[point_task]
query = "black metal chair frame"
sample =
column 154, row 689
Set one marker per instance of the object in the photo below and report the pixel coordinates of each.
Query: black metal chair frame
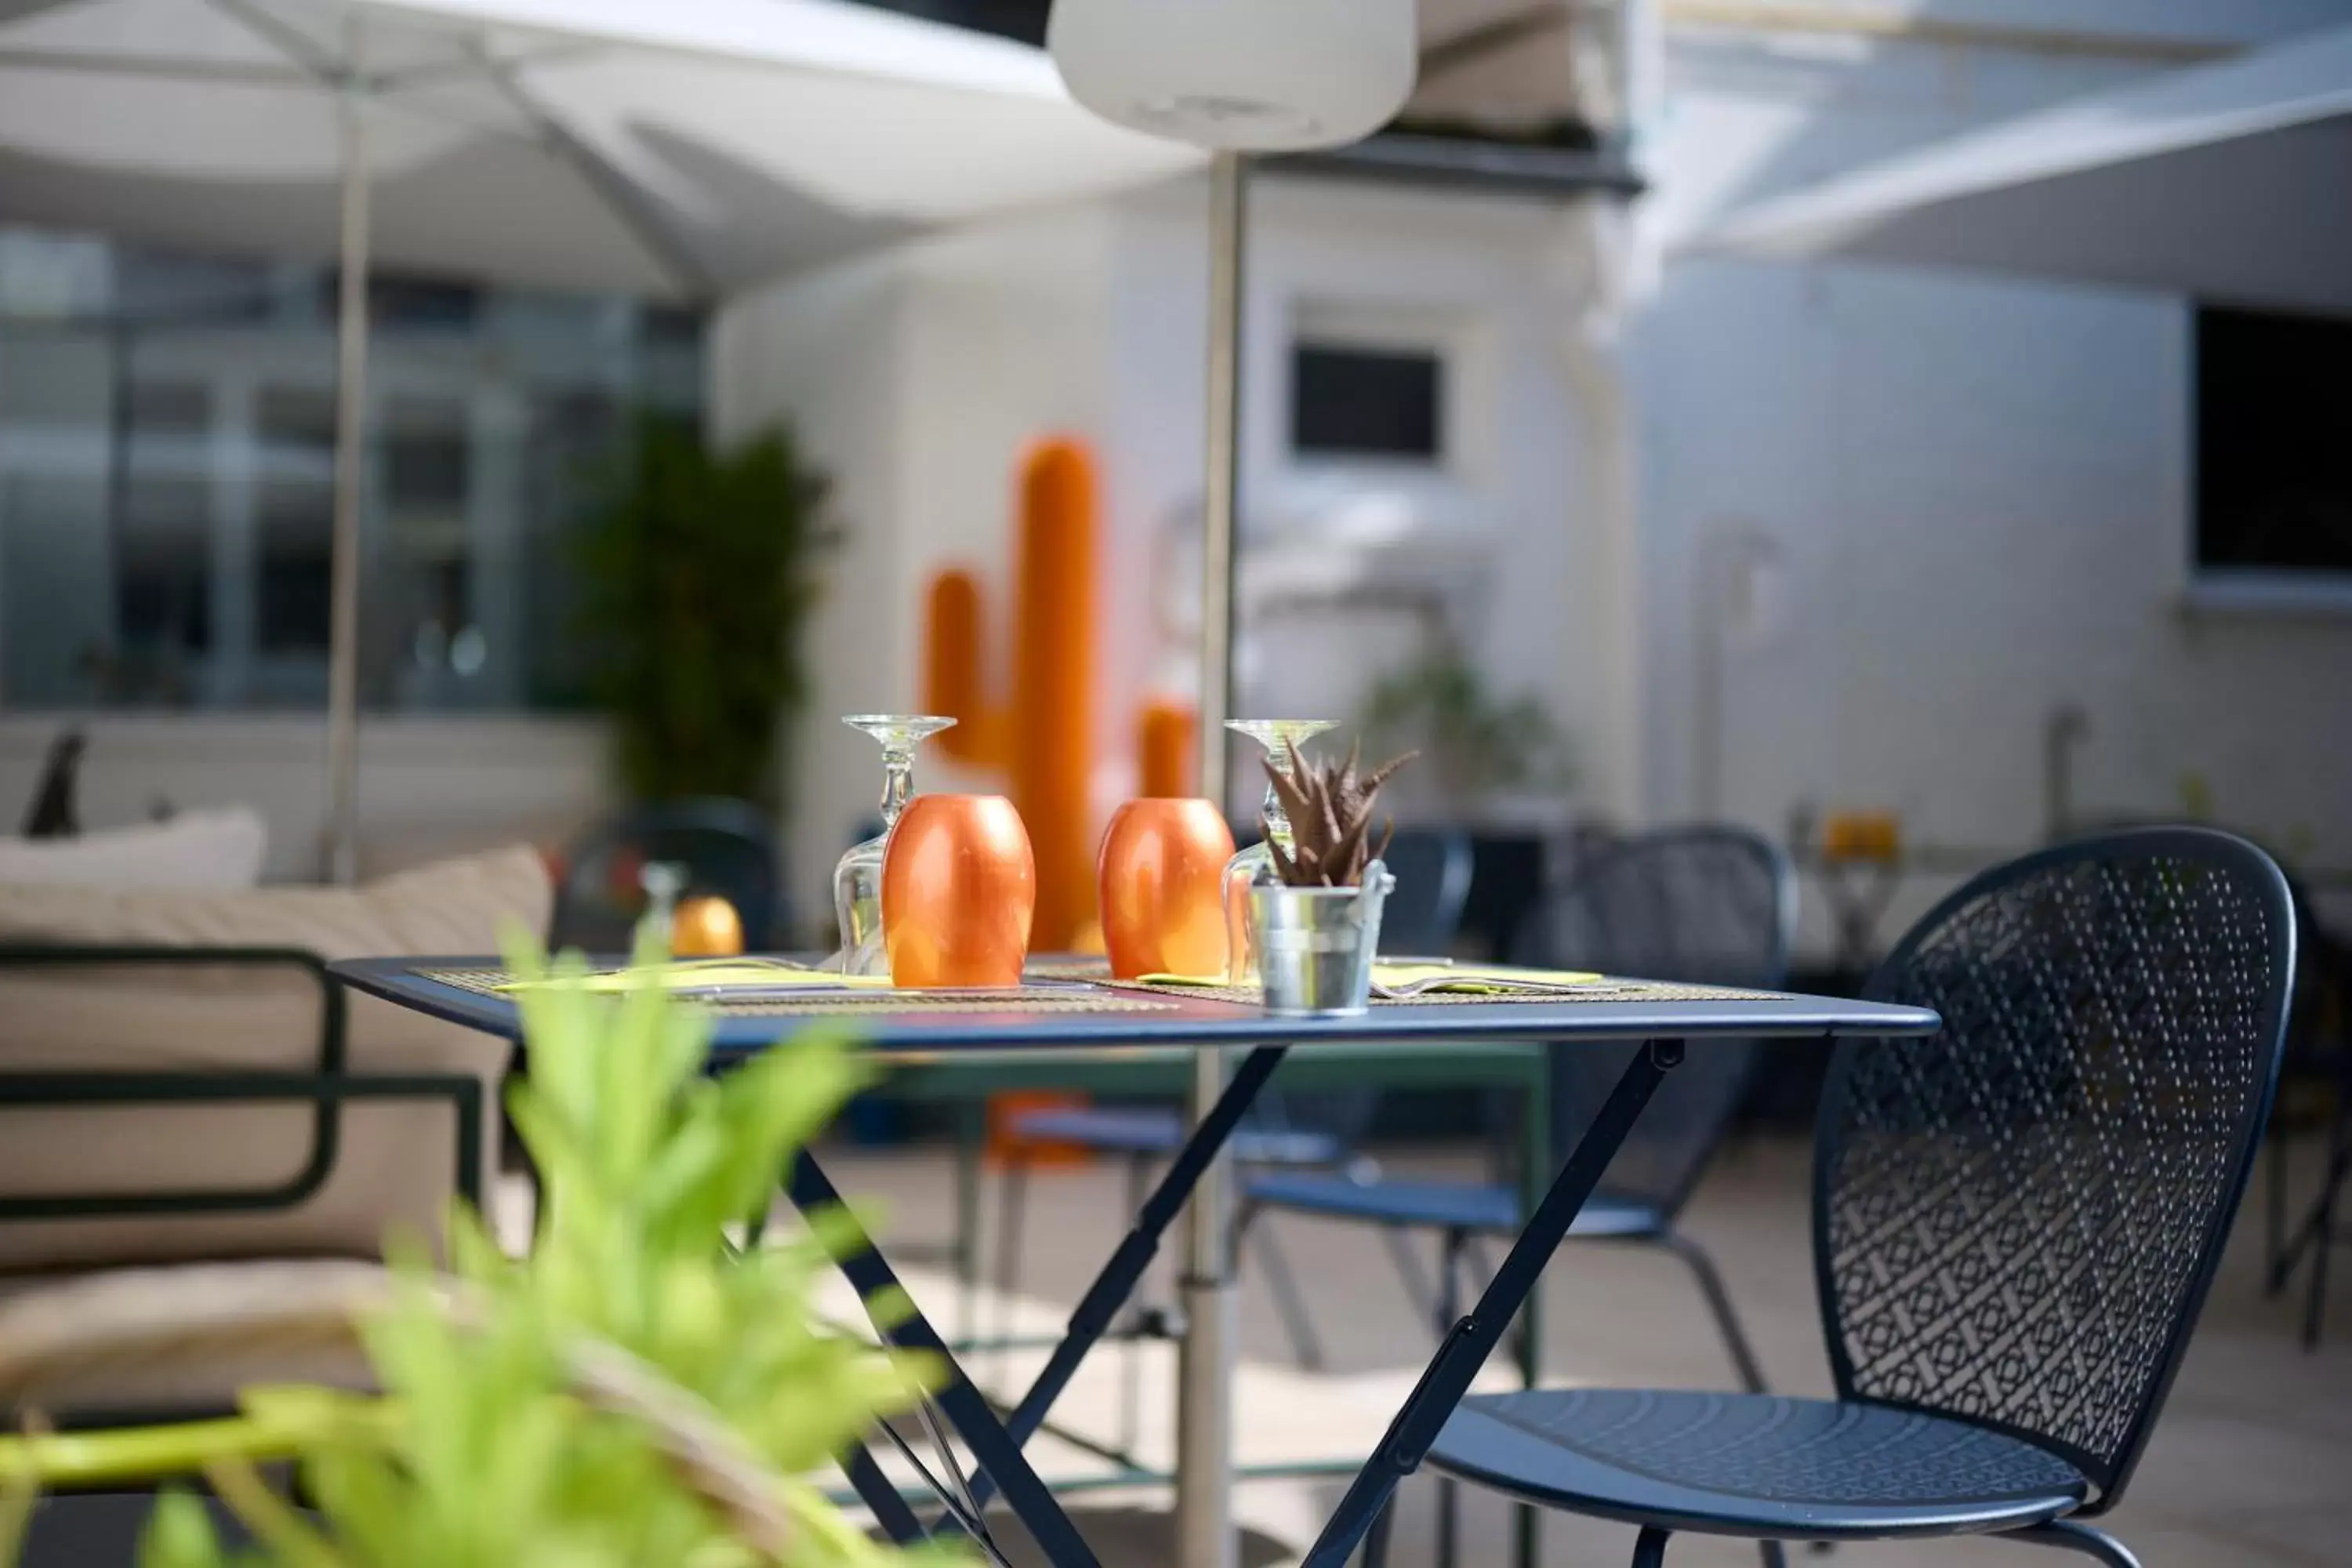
column 2326, row 981
column 328, row 1087
column 1655, row 1224
column 1907, row 1379
column 2322, row 1228
column 765, row 909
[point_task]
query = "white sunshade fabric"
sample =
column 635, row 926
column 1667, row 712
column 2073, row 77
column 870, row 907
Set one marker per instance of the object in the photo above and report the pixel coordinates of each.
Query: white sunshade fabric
column 666, row 147
column 2230, row 182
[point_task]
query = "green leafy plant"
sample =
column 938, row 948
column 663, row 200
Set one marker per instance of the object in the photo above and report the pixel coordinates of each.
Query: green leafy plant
column 1472, row 743
column 698, row 572
column 637, row 1390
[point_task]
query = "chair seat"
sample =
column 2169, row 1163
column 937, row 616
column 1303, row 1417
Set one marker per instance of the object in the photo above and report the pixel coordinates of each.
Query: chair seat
column 1152, row 1130
column 1754, row 1464
column 1442, row 1206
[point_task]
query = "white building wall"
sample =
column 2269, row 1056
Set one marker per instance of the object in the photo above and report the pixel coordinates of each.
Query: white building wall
column 1502, row 283
column 918, row 378
column 827, row 350
column 1007, row 327
column 1976, row 489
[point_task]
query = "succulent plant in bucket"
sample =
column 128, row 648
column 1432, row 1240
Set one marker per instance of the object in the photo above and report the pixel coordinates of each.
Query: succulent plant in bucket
column 1330, row 809
column 1316, row 931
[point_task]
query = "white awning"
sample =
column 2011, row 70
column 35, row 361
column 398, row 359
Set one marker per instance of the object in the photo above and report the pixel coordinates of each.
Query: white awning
column 2227, row 182
column 670, row 147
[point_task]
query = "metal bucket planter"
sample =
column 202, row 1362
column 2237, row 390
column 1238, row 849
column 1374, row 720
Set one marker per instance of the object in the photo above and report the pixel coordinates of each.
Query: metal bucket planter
column 1315, row 945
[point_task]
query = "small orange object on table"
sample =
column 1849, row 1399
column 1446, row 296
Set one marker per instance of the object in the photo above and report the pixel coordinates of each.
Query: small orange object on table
column 1861, row 835
column 705, row 926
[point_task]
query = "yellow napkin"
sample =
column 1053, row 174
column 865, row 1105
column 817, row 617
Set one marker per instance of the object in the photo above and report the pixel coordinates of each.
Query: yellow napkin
column 1447, row 977
column 720, row 974
column 1475, row 978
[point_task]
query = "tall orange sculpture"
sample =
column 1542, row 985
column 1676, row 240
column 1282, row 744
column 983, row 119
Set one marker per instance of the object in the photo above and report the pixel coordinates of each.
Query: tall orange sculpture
column 1163, row 747
column 1040, row 735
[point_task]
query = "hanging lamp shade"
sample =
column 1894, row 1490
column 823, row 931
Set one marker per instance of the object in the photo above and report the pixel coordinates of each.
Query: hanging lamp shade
column 1261, row 76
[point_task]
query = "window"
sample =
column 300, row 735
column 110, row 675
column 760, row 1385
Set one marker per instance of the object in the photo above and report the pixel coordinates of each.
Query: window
column 1357, row 401
column 170, row 407
column 167, row 468
column 2273, row 447
column 295, row 570
column 163, row 580
column 428, row 461
column 297, row 424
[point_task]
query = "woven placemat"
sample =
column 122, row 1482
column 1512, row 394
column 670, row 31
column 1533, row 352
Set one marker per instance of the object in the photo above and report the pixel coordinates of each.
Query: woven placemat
column 1094, row 969
column 1013, row 999
column 1599, row 990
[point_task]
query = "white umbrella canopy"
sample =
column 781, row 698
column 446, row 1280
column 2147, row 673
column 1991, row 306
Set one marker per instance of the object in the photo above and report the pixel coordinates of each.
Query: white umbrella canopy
column 670, row 148
column 2229, row 182
column 674, row 149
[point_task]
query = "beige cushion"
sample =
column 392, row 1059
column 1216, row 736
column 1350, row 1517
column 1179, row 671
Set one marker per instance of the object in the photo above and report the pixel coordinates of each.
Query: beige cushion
column 211, row 851
column 397, row 1161
column 182, row 1341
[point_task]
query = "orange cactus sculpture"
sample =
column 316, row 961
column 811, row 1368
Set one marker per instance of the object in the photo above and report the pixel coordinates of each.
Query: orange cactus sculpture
column 1041, row 736
column 1163, row 745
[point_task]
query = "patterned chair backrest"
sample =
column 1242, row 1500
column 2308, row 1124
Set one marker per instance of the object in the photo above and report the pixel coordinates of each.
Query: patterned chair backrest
column 1712, row 906
column 1432, row 867
column 727, row 847
column 2016, row 1221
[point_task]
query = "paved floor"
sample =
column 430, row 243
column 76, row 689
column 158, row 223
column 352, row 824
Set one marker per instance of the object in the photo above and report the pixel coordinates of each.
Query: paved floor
column 2252, row 1466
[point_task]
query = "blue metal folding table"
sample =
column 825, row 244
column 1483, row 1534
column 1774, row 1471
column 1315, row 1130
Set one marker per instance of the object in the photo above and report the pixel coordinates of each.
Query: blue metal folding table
column 1122, row 1022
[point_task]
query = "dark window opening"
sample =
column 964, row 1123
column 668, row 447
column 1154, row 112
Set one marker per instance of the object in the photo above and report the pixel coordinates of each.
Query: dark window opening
column 427, row 454
column 169, row 409
column 2273, row 442
column 297, row 419
column 293, row 605
column 1367, row 403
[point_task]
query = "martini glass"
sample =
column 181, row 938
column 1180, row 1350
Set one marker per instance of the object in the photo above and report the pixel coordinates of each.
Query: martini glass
column 1255, row 864
column 857, row 878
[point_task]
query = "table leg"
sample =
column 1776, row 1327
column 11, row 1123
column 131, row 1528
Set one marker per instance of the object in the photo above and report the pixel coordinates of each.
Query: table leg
column 971, row 1132
column 1534, row 1160
column 1449, row 1373
column 1204, row 1470
column 874, row 1489
column 993, row 1451
column 1100, row 1305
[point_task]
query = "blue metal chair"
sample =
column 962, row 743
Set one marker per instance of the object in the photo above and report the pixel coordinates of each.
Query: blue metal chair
column 1432, row 867
column 2015, row 1226
column 727, row 847
column 2319, row 1045
column 1705, row 905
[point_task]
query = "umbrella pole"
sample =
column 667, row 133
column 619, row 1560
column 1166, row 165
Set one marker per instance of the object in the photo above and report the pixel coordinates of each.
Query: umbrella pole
column 1205, row 1533
column 1217, row 548
column 351, row 410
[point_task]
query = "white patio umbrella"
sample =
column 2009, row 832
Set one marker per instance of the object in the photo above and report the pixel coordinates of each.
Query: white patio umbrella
column 2230, row 182
column 672, row 148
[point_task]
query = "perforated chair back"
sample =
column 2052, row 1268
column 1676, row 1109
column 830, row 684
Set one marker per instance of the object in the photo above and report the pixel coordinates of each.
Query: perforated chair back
column 2017, row 1221
column 1423, row 915
column 727, row 847
column 1714, row 906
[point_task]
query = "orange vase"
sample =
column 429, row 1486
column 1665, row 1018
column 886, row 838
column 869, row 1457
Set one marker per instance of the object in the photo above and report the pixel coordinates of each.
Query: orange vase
column 959, row 891
column 1162, row 870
